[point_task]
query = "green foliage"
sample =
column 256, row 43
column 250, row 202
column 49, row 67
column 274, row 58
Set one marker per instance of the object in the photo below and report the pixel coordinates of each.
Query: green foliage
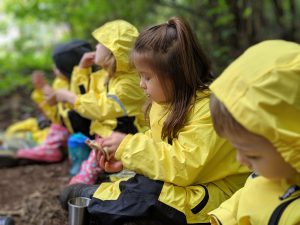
column 16, row 69
column 224, row 27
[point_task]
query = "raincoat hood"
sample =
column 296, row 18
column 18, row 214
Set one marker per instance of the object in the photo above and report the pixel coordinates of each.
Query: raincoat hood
column 261, row 89
column 118, row 36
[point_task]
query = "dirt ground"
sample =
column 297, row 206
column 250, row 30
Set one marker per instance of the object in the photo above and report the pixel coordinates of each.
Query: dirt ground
column 29, row 193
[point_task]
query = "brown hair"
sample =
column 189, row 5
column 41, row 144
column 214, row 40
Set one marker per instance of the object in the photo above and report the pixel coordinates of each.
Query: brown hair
column 222, row 119
column 172, row 51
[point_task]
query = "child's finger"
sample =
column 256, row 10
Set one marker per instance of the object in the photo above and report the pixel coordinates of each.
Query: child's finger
column 112, row 167
column 102, row 162
column 98, row 156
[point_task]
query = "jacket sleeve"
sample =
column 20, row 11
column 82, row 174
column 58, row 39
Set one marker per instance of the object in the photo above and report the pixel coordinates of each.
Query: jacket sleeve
column 80, row 80
column 29, row 124
column 226, row 213
column 122, row 100
column 96, row 106
column 38, row 97
column 198, row 155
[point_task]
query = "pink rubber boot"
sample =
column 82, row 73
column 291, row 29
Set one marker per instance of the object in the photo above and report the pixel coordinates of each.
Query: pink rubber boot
column 89, row 171
column 50, row 150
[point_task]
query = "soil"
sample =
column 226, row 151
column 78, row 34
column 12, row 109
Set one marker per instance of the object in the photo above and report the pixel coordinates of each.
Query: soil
column 29, row 193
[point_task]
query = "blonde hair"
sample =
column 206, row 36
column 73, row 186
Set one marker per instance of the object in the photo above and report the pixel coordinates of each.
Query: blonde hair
column 110, row 65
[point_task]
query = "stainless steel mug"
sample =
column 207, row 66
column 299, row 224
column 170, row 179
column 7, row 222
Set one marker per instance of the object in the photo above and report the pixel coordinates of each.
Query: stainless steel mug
column 78, row 214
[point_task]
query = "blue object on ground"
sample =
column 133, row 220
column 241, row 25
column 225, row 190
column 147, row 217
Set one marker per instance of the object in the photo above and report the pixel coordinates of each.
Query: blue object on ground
column 78, row 151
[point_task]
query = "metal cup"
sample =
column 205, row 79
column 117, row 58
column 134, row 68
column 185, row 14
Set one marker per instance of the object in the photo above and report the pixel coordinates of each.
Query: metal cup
column 78, row 214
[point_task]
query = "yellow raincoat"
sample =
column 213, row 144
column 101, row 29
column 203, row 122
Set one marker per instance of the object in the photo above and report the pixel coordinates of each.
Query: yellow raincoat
column 59, row 112
column 188, row 177
column 29, row 129
column 38, row 97
column 261, row 90
column 108, row 100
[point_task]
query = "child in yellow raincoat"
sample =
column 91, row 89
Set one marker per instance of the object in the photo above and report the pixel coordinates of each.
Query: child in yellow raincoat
column 256, row 106
column 113, row 99
column 65, row 57
column 32, row 131
column 184, row 170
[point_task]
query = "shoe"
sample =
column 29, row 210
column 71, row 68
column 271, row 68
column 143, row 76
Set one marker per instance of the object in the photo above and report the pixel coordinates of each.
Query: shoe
column 76, row 190
column 5, row 220
column 7, row 158
column 40, row 153
column 9, row 147
column 78, row 152
column 50, row 150
column 89, row 171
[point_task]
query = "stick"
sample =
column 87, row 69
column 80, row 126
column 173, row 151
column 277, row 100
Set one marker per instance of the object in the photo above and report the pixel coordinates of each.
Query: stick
column 94, row 145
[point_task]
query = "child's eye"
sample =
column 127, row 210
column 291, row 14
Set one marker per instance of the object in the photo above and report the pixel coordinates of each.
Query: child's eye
column 144, row 76
column 253, row 157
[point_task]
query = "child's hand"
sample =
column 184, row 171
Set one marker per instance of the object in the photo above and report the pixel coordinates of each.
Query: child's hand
column 38, row 79
column 110, row 145
column 63, row 95
column 48, row 90
column 105, row 159
column 113, row 141
column 49, row 95
column 87, row 60
column 111, row 166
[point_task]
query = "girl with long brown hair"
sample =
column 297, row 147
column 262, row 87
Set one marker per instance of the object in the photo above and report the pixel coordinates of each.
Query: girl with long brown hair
column 183, row 169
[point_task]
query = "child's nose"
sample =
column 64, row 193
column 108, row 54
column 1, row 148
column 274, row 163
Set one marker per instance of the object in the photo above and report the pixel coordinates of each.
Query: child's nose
column 142, row 84
column 243, row 160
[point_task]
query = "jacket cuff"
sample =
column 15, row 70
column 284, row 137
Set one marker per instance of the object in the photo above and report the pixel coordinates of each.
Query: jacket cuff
column 214, row 220
column 37, row 96
column 77, row 103
column 121, row 148
column 221, row 216
column 77, row 69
